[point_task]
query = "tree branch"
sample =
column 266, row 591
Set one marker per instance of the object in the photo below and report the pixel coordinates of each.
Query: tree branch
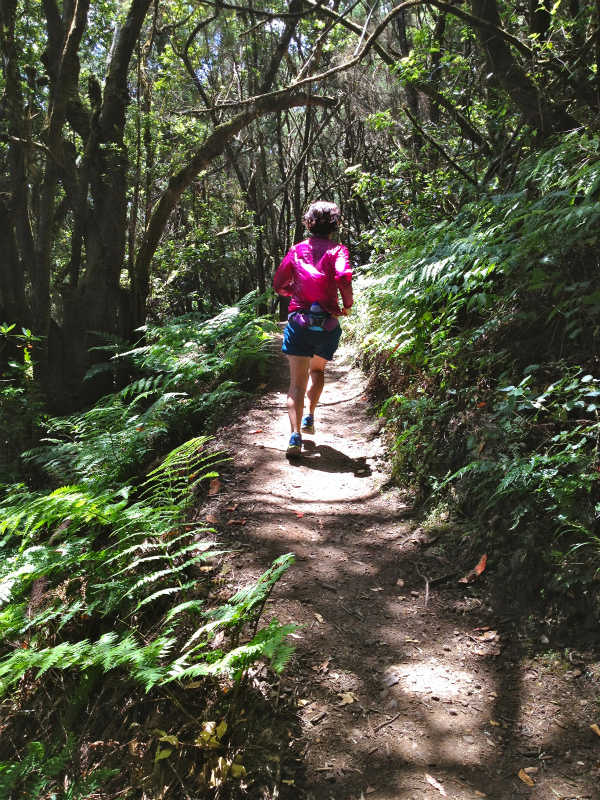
column 213, row 146
column 303, row 155
column 478, row 22
column 468, row 130
column 50, row 58
column 439, row 148
column 472, row 20
column 370, row 43
column 184, row 55
column 297, row 15
column 112, row 116
column 281, row 48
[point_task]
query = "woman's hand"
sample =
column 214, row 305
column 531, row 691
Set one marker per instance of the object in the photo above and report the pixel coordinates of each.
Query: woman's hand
column 346, row 312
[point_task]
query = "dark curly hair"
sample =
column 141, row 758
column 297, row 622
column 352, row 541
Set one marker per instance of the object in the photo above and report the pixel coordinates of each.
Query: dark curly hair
column 322, row 218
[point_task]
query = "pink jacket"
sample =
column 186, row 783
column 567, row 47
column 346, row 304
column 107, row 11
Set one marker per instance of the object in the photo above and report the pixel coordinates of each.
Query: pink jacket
column 312, row 272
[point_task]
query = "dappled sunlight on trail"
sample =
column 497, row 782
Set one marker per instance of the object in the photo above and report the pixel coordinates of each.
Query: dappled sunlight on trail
column 396, row 697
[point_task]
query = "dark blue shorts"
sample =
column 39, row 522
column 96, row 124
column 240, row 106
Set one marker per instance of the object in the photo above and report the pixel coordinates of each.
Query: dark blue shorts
column 299, row 341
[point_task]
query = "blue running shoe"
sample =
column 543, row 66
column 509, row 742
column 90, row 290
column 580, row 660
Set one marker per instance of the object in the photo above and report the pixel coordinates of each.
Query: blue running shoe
column 295, row 445
column 308, row 424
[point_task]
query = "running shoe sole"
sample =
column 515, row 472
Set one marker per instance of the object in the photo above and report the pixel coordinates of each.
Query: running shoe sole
column 307, row 428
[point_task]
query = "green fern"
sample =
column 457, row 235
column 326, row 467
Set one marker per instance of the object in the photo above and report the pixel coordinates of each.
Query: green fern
column 151, row 557
column 109, row 551
column 448, row 311
column 38, row 770
column 35, row 772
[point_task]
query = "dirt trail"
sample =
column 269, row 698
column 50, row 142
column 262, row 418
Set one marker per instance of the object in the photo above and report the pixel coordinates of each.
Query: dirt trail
column 397, row 695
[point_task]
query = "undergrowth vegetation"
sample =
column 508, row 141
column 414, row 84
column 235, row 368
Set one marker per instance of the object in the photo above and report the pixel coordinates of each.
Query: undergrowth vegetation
column 481, row 334
column 107, row 571
column 186, row 375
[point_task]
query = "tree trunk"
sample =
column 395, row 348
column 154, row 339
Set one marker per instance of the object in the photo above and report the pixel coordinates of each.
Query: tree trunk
column 542, row 115
column 299, row 224
column 96, row 303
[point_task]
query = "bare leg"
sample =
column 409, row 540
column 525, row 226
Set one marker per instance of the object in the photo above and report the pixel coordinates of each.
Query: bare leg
column 299, row 369
column 317, row 381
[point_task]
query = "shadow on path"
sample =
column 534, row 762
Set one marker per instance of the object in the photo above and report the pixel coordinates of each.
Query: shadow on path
column 393, row 697
column 328, row 459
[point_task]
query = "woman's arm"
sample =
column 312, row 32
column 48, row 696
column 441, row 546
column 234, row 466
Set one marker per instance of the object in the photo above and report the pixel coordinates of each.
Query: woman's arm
column 283, row 282
column 343, row 276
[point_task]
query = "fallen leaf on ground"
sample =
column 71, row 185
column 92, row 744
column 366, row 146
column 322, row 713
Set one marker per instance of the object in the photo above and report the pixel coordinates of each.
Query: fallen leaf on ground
column 525, row 778
column 347, row 698
column 319, row 618
column 377, row 589
column 261, row 386
column 299, row 514
column 488, row 636
column 215, row 485
column 481, row 566
column 212, row 519
column 436, row 784
column 399, row 582
column 475, row 572
column 493, row 722
column 288, row 783
column 371, row 789
column 480, row 794
column 237, row 522
column 259, row 430
column 303, row 702
column 232, row 508
column 531, row 770
column 412, row 641
column 595, row 728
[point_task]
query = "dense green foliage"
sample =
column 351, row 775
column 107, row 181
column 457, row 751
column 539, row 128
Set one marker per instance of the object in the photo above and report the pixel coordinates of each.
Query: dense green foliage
column 155, row 161
column 110, row 572
column 487, row 335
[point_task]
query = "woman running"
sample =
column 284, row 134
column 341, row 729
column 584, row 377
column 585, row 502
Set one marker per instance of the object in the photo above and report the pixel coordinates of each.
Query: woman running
column 311, row 274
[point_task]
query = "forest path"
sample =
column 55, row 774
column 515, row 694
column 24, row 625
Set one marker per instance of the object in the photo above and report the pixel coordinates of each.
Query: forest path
column 396, row 695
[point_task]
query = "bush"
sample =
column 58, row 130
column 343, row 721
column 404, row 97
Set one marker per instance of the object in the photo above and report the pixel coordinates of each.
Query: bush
column 486, row 327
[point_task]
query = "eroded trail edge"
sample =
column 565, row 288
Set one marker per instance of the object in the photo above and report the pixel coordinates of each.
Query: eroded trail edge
column 405, row 683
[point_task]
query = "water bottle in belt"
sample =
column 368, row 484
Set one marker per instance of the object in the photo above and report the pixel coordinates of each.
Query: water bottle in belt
column 317, row 316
